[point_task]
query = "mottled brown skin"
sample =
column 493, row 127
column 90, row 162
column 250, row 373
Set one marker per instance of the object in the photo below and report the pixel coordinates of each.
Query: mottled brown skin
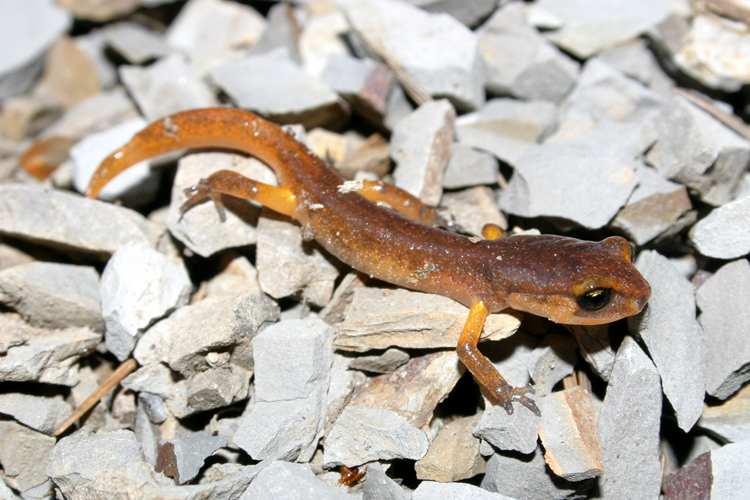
column 543, row 275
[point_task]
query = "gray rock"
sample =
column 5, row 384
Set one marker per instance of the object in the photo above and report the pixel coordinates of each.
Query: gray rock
column 39, row 355
column 454, row 453
column 590, row 28
column 528, row 479
column 281, row 31
column 182, row 458
column 292, row 373
column 725, row 322
column 469, row 167
column 378, row 486
column 729, row 466
column 363, row 434
column 287, row 264
column 52, row 295
column 730, row 421
column 507, row 127
column 65, row 221
column 27, row 30
column 154, row 407
column 636, row 60
column 137, row 184
column 435, row 50
column 724, row 233
column 384, row 363
column 430, row 490
column 11, row 256
column 696, row 150
column 288, row 481
column 674, row 338
column 322, row 37
column 655, row 206
column 551, row 179
column 166, row 87
column 629, row 423
column 551, row 361
column 517, row 432
column 7, row 494
column 593, row 341
column 239, row 276
column 94, row 46
column 217, row 387
column 43, row 414
column 147, row 434
column 569, row 435
column 94, row 114
column 469, row 13
column 24, row 454
column 520, row 62
column 473, row 208
column 274, row 86
column 136, row 43
column 421, row 146
column 138, row 287
column 212, row 31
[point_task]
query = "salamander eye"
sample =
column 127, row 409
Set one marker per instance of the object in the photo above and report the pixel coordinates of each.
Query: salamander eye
column 593, row 300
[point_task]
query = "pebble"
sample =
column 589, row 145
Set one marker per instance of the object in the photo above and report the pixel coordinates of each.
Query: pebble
column 421, row 147
column 517, row 432
column 430, row 490
column 293, row 361
column 507, row 127
column 166, row 87
column 436, row 51
column 588, row 29
column 469, row 167
column 43, row 414
column 453, row 455
column 363, row 434
column 51, row 295
column 674, row 339
column 136, row 43
column 725, row 320
column 138, row 287
column 379, row 318
column 473, row 208
column 534, row 70
column 569, row 435
column 182, row 458
column 274, row 86
column 288, row 481
column 24, row 454
column 725, row 232
column 629, row 424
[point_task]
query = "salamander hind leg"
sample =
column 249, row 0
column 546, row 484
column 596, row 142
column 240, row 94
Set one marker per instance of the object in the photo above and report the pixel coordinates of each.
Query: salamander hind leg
column 483, row 370
column 235, row 184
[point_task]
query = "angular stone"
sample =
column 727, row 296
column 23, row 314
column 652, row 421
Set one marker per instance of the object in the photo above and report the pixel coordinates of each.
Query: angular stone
column 274, row 86
column 94, row 114
column 93, row 10
column 287, row 264
column 147, row 434
column 469, row 13
column 429, row 490
column 421, row 146
column 293, row 481
column 435, row 50
column 517, row 432
column 729, row 420
column 322, row 37
column 6, row 493
column 281, row 31
column 52, row 295
column 292, row 374
column 473, row 208
column 534, row 69
column 726, row 321
column 629, row 424
column 528, row 479
column 237, row 277
column 469, row 167
column 724, row 233
column 379, row 318
column 136, row 43
column 569, row 435
column 636, row 60
column 217, row 387
column 93, row 45
column 692, row 481
column 385, row 363
column 11, row 256
column 378, row 486
column 39, row 355
column 43, row 414
column 363, row 434
column 674, row 338
column 138, row 287
column 551, row 361
column 588, row 29
column 27, row 115
column 593, row 341
column 507, row 127
column 453, row 455
column 24, row 454
column 65, row 221
column 182, row 458
column 729, row 466
column 166, row 87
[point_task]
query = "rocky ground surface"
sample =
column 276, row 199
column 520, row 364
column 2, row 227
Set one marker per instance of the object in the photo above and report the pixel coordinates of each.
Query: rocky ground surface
column 263, row 366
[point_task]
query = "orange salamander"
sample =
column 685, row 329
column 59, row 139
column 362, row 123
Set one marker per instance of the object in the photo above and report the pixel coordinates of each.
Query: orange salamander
column 566, row 280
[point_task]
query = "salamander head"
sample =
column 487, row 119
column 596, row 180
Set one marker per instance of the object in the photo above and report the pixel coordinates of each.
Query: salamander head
column 577, row 282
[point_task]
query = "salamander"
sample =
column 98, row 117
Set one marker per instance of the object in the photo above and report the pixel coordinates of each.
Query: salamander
column 566, row 280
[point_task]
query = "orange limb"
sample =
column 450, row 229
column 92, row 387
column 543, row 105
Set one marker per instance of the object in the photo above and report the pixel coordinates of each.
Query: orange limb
column 481, row 367
column 403, row 203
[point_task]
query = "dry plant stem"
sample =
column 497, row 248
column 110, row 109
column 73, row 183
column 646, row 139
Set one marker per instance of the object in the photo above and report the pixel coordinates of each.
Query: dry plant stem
column 729, row 9
column 122, row 371
column 728, row 119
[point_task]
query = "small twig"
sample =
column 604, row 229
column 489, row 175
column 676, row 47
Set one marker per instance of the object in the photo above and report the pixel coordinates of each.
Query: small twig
column 120, row 373
column 728, row 119
column 729, row 9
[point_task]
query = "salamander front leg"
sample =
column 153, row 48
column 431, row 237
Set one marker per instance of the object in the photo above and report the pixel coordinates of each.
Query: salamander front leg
column 235, row 184
column 483, row 370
